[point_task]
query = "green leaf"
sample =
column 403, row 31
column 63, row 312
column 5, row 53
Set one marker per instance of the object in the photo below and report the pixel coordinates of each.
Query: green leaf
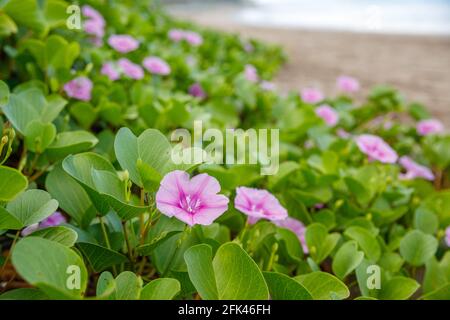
column 147, row 249
column 200, row 268
column 12, row 182
column 347, row 259
column 39, row 135
column 366, row 241
column 237, row 275
column 24, row 294
column 426, row 221
column 417, row 247
column 31, row 207
column 106, row 285
column 128, row 286
column 7, row 27
column 46, row 265
column 60, row 234
column 281, row 287
column 319, row 242
column 161, row 289
column 26, row 13
column 4, row 94
column 71, row 142
column 76, row 202
column 398, row 288
column 324, row 286
column 100, row 257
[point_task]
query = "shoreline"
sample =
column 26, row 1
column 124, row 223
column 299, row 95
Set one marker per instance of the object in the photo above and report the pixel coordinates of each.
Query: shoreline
column 417, row 65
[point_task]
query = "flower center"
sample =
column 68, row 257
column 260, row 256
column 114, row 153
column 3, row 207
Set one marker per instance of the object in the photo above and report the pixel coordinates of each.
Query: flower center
column 190, row 204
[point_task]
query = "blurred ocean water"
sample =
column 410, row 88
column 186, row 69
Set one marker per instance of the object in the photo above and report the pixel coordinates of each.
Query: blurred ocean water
column 378, row 16
column 383, row 16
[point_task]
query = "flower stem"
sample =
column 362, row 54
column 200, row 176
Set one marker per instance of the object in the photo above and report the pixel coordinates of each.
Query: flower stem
column 10, row 251
column 127, row 241
column 105, row 235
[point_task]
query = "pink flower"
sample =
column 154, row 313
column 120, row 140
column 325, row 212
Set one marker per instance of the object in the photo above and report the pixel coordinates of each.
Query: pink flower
column 156, row 65
column 248, row 47
column 79, row 88
column 109, row 70
column 311, row 95
column 193, row 201
column 197, row 91
column 176, row 35
column 55, row 219
column 251, row 74
column 328, row 114
column 259, row 204
column 95, row 25
column 193, row 38
column 429, row 126
column 447, row 236
column 123, row 43
column 295, row 226
column 347, row 84
column 267, row 85
column 376, row 148
column 343, row 134
column 130, row 69
column 414, row 170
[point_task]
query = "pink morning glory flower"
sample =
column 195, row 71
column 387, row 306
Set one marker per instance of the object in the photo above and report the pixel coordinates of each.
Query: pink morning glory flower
column 343, row 134
column 328, row 114
column 176, row 35
column 414, row 170
column 311, row 95
column 110, row 70
column 376, row 148
column 130, row 69
column 123, row 43
column 347, row 84
column 156, row 65
column 295, row 226
column 447, row 236
column 259, row 203
column 197, row 91
column 55, row 219
column 95, row 25
column 193, row 201
column 193, row 38
column 429, row 126
column 79, row 88
column 250, row 73
column 267, row 85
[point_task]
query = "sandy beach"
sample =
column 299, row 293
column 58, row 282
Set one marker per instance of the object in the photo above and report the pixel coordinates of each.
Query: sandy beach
column 419, row 66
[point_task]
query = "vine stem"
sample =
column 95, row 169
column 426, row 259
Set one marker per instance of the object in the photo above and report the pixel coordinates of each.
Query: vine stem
column 16, row 237
column 105, row 235
column 127, row 241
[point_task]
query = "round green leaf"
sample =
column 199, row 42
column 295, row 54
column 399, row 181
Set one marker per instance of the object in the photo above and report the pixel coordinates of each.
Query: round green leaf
column 330, row 288
column 347, row 259
column 281, row 287
column 12, row 182
column 161, row 289
column 417, row 247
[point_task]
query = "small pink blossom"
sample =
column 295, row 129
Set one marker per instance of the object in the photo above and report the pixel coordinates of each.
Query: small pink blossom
column 328, row 114
column 193, row 38
column 259, row 204
column 53, row 220
column 376, row 148
column 193, row 201
column 311, row 95
column 250, row 73
column 79, row 88
column 156, row 65
column 429, row 126
column 267, row 85
column 447, row 236
column 176, row 35
column 197, row 91
column 295, row 226
column 123, row 43
column 343, row 134
column 110, row 70
column 347, row 84
column 95, row 24
column 130, row 69
column 414, row 170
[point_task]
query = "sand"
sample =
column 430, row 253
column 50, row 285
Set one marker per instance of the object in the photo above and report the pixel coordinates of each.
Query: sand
column 419, row 66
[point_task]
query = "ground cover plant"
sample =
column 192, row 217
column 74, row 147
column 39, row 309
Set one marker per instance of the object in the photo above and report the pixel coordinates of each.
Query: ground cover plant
column 93, row 206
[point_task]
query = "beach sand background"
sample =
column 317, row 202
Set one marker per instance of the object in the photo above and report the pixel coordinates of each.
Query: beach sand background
column 417, row 65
